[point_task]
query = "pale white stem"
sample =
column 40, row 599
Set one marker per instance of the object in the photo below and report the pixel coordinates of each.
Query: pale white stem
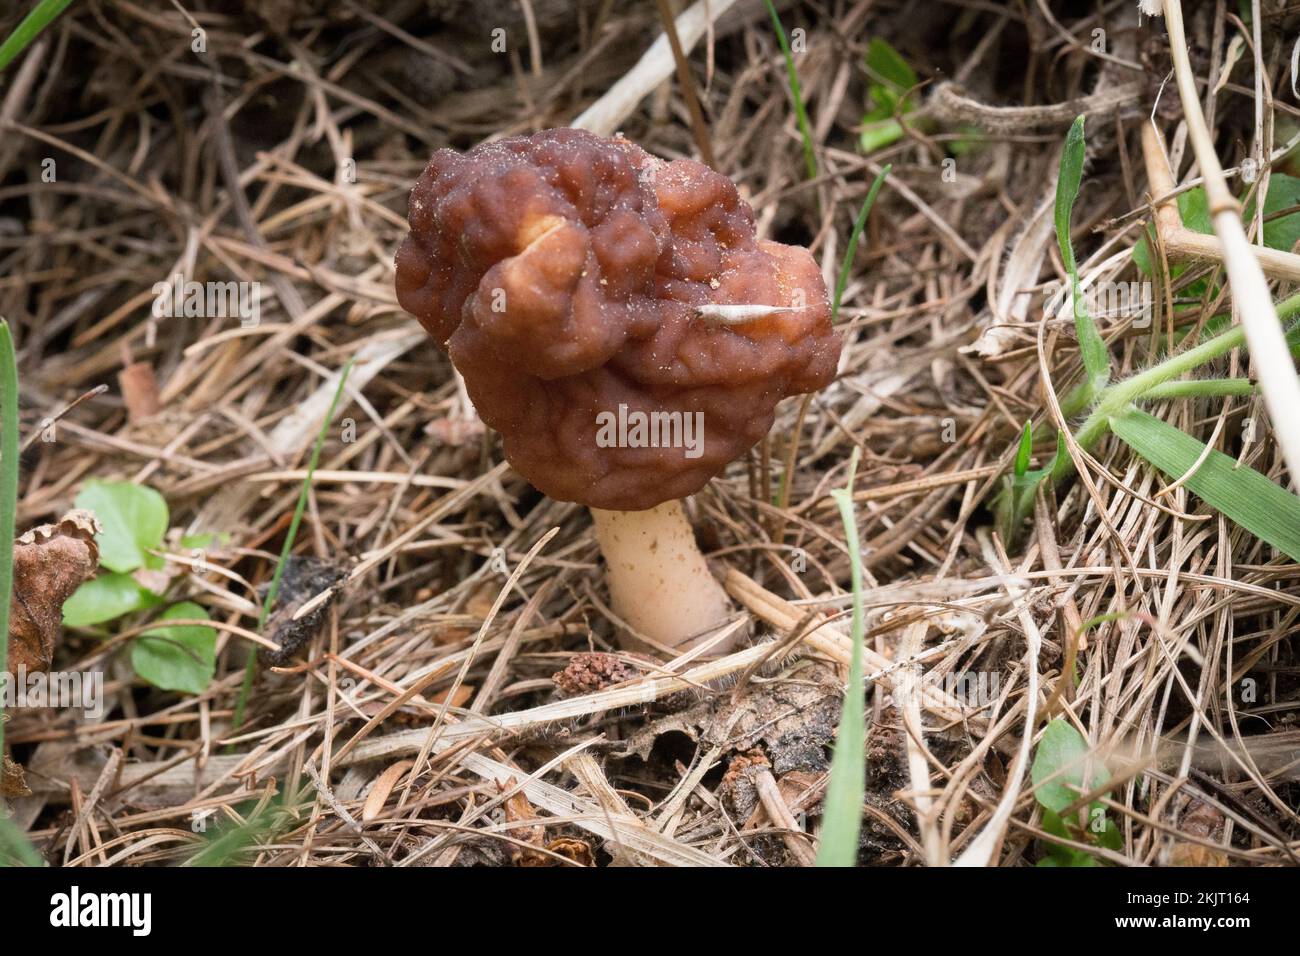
column 659, row 582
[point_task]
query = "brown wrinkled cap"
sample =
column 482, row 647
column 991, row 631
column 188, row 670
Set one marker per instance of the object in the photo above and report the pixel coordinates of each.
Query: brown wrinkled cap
column 562, row 271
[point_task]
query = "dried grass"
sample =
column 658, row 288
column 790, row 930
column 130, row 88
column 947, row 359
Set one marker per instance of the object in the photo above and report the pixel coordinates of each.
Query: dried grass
column 225, row 165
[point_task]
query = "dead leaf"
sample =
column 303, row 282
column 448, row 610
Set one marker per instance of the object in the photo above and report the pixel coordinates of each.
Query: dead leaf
column 303, row 578
column 519, row 808
column 382, row 787
column 579, row 851
column 139, row 391
column 50, row 562
column 13, row 783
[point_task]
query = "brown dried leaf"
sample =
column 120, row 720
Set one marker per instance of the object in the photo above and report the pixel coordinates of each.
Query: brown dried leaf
column 13, row 783
column 50, row 562
column 579, row 851
column 519, row 808
column 302, row 580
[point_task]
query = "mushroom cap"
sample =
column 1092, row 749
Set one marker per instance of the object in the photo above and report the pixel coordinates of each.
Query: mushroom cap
column 563, row 272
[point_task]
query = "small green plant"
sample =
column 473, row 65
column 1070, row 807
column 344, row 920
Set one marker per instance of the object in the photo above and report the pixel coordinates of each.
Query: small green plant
column 233, row 840
column 1016, row 499
column 134, row 521
column 890, row 81
column 859, row 224
column 1096, row 357
column 796, row 93
column 1263, row 508
column 250, row 665
column 1281, row 228
column 842, row 816
column 1063, row 771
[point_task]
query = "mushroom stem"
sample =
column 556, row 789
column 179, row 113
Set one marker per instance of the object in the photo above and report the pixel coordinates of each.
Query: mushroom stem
column 659, row 582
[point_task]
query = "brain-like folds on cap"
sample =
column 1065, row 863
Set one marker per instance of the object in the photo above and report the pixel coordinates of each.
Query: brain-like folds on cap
column 564, row 272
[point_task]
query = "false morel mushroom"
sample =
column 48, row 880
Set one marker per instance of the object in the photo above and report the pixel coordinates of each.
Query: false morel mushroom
column 616, row 319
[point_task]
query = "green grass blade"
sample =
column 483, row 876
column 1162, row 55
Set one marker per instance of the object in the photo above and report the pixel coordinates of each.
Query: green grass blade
column 8, row 485
column 796, row 92
column 1096, row 357
column 8, row 490
column 250, row 667
column 1263, row 508
column 842, row 814
column 14, row 845
column 858, row 225
column 15, row 848
column 26, row 31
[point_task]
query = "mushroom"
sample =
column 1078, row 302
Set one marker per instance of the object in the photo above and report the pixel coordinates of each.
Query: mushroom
column 616, row 320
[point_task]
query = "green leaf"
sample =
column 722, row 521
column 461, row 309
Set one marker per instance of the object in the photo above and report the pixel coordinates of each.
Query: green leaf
column 1194, row 209
column 1016, row 498
column 1283, row 193
column 888, row 67
column 879, row 134
column 1067, row 190
column 971, row 140
column 891, row 78
column 1096, row 357
column 1058, row 767
column 31, row 26
column 1263, row 508
column 1025, row 450
column 858, row 225
column 846, row 788
column 181, row 657
column 134, row 518
column 796, row 94
column 105, row 597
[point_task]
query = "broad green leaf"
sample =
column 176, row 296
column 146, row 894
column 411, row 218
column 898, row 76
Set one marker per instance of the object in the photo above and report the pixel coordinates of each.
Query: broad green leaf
column 134, row 518
column 1059, row 764
column 1194, row 209
column 1282, row 232
column 1058, row 854
column 180, row 657
column 104, row 598
column 887, row 66
column 846, row 788
column 1096, row 357
column 1283, row 193
column 1263, row 508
